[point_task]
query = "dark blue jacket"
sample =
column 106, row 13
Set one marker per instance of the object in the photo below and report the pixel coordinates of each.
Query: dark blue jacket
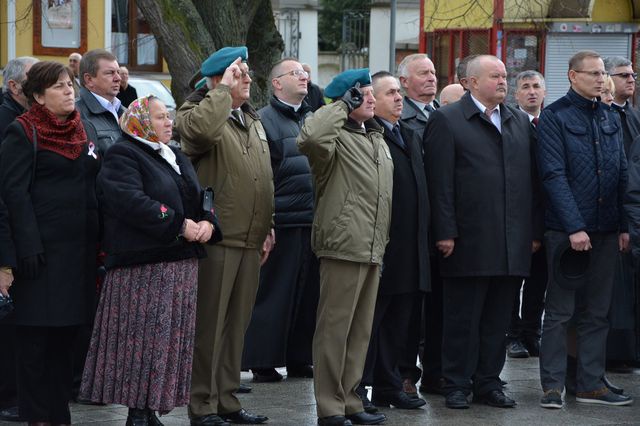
column 582, row 165
column 293, row 187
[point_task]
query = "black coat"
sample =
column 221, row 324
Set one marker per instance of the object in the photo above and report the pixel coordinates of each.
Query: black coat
column 630, row 120
column 315, row 97
column 9, row 110
column 481, row 189
column 157, row 201
column 127, row 95
column 292, row 181
column 7, row 251
column 56, row 215
column 406, row 258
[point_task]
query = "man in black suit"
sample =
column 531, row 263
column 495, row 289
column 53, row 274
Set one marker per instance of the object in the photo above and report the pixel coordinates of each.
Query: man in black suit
column 523, row 336
column 480, row 174
column 406, row 260
column 418, row 79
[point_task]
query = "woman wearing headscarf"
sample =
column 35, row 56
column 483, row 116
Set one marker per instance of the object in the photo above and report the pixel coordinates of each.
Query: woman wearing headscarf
column 48, row 168
column 154, row 219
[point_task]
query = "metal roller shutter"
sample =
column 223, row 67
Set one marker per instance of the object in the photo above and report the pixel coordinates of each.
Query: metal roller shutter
column 560, row 47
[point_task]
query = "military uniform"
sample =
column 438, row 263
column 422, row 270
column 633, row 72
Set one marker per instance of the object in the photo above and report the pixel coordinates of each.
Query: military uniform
column 233, row 158
column 353, row 176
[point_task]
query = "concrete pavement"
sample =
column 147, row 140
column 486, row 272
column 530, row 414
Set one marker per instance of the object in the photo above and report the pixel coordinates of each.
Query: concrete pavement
column 291, row 402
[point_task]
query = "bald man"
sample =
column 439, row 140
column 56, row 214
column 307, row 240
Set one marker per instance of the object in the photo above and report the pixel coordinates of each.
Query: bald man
column 451, row 93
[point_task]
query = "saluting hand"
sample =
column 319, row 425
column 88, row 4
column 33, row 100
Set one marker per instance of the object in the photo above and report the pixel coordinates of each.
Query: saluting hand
column 233, row 74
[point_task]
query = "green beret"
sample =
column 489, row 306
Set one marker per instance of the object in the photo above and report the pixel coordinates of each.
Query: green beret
column 346, row 80
column 220, row 60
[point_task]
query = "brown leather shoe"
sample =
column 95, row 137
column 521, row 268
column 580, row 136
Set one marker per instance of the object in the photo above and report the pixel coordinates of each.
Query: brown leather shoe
column 409, row 387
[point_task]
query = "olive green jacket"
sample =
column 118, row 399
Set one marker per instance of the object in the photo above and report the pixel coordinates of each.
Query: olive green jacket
column 353, row 175
column 234, row 160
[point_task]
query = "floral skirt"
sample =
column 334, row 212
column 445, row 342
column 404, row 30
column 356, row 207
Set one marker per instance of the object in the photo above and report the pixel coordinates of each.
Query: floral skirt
column 141, row 347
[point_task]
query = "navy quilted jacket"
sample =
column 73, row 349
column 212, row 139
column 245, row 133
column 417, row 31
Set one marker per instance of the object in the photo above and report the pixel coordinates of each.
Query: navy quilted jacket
column 582, row 165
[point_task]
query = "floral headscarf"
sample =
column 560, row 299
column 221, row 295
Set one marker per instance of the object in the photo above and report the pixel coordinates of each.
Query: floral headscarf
column 136, row 120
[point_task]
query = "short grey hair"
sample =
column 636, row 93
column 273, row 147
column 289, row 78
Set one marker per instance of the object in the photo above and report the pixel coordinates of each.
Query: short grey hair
column 14, row 70
column 402, row 67
column 612, row 62
column 529, row 74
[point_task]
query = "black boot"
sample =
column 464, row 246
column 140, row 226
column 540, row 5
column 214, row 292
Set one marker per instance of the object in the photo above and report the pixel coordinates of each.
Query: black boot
column 137, row 417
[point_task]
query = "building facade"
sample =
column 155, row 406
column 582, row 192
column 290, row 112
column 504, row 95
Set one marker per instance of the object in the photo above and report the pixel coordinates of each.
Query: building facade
column 540, row 35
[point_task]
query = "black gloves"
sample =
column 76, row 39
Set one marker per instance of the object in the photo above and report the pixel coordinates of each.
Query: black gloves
column 29, row 267
column 353, row 98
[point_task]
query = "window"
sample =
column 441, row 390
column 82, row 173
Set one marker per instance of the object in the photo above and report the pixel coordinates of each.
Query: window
column 131, row 39
column 446, row 48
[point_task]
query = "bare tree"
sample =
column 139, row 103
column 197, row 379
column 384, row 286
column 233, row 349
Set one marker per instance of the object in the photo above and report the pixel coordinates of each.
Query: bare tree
column 188, row 31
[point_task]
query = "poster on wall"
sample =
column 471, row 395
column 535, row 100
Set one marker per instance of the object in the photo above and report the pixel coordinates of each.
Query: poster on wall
column 60, row 26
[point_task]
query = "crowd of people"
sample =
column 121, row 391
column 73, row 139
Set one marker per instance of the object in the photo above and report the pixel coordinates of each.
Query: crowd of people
column 344, row 242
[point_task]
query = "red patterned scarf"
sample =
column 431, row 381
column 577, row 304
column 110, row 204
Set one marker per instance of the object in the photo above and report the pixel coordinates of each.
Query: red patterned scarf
column 66, row 138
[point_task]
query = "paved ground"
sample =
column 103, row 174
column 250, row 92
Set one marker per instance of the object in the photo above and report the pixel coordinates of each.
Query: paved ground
column 291, row 402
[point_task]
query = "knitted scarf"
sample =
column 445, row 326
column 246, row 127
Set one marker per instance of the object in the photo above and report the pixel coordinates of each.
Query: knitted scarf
column 66, row 138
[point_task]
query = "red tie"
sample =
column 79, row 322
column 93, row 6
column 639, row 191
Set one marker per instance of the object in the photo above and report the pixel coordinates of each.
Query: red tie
column 535, row 121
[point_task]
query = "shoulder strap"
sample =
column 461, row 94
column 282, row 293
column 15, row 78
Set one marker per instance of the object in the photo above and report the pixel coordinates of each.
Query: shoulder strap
column 35, row 154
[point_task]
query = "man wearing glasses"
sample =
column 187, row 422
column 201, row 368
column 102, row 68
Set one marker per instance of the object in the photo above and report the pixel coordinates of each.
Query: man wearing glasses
column 222, row 134
column 281, row 329
column 624, row 79
column 584, row 172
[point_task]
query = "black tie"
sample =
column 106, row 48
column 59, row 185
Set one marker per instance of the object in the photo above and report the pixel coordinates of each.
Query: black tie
column 398, row 136
column 428, row 109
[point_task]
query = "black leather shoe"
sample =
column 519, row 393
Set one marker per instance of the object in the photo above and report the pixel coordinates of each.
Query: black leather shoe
column 515, row 349
column 137, row 417
column 497, row 398
column 152, row 419
column 434, row 387
column 613, row 388
column 368, row 406
column 244, row 388
column 243, row 417
column 11, row 415
column 266, row 375
column 456, row 400
column 209, row 420
column 334, row 421
column 301, row 371
column 398, row 399
column 532, row 344
column 364, row 418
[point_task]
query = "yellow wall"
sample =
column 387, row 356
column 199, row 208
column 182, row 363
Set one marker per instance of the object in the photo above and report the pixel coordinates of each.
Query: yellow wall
column 454, row 14
column 24, row 29
column 458, row 14
column 612, row 11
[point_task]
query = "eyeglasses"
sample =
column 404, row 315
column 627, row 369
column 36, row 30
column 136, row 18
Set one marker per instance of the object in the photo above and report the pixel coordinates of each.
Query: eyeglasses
column 594, row 74
column 249, row 73
column 625, row 75
column 295, row 73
